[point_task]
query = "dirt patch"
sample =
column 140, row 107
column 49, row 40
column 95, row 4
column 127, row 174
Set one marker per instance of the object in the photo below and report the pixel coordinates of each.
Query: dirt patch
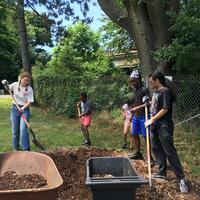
column 13, row 181
column 71, row 163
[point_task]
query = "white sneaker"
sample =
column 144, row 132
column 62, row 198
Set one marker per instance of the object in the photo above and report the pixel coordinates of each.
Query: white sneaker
column 183, row 186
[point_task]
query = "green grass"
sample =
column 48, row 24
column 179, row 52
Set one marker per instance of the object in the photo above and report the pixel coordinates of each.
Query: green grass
column 106, row 132
column 187, row 140
column 57, row 131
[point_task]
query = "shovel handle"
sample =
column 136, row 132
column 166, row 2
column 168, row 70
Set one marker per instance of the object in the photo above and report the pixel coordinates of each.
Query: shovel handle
column 17, row 105
column 148, row 146
column 25, row 120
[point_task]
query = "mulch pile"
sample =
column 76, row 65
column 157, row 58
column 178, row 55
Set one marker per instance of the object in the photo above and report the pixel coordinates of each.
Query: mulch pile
column 71, row 163
column 13, row 181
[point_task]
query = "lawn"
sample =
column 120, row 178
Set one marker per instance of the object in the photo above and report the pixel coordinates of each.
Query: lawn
column 58, row 131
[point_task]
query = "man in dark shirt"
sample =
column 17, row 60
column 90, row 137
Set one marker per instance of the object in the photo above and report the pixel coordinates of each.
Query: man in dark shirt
column 138, row 118
column 162, row 129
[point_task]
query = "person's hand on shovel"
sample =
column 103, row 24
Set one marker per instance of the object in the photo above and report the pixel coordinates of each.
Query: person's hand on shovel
column 22, row 109
column 5, row 84
column 149, row 122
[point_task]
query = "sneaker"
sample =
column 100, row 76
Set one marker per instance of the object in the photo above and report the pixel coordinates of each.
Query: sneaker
column 183, row 186
column 124, row 146
column 159, row 175
column 84, row 141
column 88, row 142
column 137, row 156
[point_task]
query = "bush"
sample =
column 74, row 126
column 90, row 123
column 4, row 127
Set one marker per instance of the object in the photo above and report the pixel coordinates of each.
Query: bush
column 60, row 92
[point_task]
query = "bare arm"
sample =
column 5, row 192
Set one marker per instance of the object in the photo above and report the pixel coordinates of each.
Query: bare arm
column 137, row 107
column 160, row 114
column 156, row 117
column 26, row 105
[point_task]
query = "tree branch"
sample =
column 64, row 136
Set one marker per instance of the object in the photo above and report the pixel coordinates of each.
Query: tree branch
column 114, row 12
column 37, row 13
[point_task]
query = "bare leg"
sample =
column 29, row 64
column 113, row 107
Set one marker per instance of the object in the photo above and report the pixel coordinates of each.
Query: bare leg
column 87, row 135
column 131, row 137
column 131, row 141
column 83, row 131
column 137, row 155
column 126, row 127
column 152, row 160
column 125, row 138
column 136, row 139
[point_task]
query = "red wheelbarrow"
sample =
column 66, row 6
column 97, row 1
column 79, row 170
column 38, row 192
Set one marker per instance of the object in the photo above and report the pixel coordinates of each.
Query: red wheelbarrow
column 24, row 162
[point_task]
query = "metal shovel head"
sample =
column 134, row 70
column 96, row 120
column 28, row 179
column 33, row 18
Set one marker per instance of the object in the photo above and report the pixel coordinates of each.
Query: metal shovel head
column 35, row 141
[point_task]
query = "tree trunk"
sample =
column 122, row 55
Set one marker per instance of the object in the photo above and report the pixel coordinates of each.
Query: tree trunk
column 148, row 25
column 23, row 36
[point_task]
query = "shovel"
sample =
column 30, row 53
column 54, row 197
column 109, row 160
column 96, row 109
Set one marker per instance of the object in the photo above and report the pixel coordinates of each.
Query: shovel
column 24, row 118
column 145, row 100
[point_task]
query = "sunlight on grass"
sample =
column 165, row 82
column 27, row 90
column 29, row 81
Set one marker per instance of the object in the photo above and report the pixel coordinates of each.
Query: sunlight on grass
column 5, row 125
column 57, row 131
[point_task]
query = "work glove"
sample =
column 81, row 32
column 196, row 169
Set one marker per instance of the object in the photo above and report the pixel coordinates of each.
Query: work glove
column 5, row 83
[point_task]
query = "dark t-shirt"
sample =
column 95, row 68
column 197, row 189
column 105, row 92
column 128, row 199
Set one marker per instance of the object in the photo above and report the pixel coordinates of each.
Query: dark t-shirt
column 162, row 99
column 139, row 93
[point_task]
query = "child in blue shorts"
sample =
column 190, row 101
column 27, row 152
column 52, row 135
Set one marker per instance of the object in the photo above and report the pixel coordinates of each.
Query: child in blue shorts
column 138, row 119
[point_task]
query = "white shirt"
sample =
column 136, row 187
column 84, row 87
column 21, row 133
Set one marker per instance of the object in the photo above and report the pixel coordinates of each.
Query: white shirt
column 22, row 96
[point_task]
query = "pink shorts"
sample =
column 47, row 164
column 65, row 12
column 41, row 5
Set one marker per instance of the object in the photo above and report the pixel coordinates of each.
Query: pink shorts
column 86, row 120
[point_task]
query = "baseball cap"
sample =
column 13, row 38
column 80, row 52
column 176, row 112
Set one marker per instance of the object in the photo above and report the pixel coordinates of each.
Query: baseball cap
column 135, row 74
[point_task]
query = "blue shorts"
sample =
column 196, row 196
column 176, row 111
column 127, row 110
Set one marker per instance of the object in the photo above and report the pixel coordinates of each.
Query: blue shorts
column 138, row 127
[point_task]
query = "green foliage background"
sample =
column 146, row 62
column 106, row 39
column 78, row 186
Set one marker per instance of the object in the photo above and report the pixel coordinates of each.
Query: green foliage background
column 9, row 45
column 79, row 64
column 185, row 48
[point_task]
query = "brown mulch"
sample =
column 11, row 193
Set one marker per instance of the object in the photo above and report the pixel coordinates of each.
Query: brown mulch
column 71, row 163
column 13, row 181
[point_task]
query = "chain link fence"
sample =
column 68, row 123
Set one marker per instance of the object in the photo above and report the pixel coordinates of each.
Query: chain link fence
column 187, row 105
column 187, row 117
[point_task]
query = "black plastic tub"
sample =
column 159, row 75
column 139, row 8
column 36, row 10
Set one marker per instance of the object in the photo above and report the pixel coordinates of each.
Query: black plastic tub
column 112, row 178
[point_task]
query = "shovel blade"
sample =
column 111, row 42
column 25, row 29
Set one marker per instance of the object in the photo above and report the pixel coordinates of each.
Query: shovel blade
column 35, row 141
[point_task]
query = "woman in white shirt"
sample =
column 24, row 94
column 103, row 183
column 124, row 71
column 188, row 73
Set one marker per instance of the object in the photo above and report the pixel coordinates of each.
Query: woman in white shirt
column 23, row 94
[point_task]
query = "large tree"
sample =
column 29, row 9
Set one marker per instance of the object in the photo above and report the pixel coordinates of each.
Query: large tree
column 147, row 22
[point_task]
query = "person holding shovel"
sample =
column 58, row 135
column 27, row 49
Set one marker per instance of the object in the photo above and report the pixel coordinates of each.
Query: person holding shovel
column 23, row 94
column 162, row 128
column 85, row 115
